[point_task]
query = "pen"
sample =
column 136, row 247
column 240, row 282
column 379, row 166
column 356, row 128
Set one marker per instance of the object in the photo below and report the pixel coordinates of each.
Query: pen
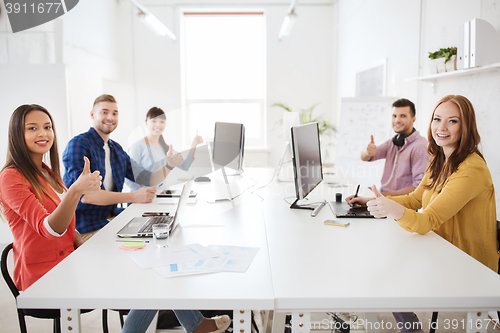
column 357, row 190
column 132, row 241
column 155, row 187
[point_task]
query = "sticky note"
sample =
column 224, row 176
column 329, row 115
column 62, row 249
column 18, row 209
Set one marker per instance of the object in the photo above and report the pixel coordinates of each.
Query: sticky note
column 134, row 244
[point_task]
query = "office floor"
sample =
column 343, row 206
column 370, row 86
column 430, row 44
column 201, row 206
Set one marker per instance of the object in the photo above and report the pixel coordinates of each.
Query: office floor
column 91, row 322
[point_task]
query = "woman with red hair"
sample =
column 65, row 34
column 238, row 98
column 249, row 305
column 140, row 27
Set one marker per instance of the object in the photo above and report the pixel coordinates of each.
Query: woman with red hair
column 456, row 195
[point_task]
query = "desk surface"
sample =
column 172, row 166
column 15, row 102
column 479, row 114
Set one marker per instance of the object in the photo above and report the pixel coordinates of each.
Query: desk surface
column 99, row 275
column 372, row 265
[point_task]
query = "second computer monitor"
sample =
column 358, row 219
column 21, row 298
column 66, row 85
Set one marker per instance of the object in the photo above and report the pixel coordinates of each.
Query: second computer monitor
column 306, row 159
column 229, row 145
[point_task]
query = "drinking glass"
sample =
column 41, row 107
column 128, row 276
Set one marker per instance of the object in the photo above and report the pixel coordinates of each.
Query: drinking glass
column 161, row 232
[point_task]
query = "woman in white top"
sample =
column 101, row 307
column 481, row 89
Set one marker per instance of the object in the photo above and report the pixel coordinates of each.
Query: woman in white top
column 151, row 151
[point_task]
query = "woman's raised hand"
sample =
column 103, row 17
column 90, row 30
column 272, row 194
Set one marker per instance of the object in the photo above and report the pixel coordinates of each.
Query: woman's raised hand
column 174, row 158
column 198, row 140
column 88, row 182
column 381, row 206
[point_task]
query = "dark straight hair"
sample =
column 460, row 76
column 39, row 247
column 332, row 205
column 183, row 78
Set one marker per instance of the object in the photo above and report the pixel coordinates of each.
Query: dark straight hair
column 18, row 154
column 402, row 102
column 155, row 112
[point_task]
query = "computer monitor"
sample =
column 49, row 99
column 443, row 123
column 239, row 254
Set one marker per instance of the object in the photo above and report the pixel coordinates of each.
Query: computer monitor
column 306, row 161
column 229, row 146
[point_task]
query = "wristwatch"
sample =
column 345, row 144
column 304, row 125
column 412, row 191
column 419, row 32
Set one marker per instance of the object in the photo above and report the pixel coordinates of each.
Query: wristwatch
column 168, row 166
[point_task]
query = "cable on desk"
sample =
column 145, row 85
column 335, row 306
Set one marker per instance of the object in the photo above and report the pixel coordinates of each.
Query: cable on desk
column 266, row 185
column 249, row 187
column 307, row 204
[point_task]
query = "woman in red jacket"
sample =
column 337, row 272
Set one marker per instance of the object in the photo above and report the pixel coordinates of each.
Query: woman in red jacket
column 40, row 210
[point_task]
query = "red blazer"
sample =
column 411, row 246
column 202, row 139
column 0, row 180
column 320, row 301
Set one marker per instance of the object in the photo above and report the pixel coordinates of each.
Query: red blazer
column 36, row 251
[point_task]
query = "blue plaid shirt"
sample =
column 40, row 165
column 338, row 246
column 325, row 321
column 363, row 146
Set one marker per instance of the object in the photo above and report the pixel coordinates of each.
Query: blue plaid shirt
column 92, row 217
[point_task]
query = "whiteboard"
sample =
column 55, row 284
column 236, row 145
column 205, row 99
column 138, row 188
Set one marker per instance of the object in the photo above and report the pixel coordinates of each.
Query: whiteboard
column 360, row 118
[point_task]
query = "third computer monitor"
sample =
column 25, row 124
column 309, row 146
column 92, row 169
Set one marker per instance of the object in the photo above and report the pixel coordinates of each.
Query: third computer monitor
column 228, row 147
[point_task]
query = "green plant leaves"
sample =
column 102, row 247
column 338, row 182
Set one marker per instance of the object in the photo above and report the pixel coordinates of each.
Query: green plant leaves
column 443, row 53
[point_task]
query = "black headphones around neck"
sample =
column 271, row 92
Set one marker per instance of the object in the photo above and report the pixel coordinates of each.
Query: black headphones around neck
column 399, row 139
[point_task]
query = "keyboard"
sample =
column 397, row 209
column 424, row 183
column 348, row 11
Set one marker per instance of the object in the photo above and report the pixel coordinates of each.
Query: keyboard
column 148, row 226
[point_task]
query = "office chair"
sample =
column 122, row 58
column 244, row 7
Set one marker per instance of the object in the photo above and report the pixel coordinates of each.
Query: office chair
column 435, row 314
column 38, row 313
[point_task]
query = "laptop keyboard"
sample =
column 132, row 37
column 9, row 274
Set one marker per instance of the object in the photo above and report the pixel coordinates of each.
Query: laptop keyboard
column 148, row 226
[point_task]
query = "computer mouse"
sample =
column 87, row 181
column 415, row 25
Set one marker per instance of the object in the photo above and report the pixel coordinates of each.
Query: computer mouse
column 202, row 179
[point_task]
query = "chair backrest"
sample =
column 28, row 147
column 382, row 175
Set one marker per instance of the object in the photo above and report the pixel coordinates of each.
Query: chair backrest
column 5, row 271
column 498, row 236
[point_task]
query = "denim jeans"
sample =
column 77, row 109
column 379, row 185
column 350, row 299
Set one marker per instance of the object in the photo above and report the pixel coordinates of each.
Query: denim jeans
column 138, row 321
column 408, row 322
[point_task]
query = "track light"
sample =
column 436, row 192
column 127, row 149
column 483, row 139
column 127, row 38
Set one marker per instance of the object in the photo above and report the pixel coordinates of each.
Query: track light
column 289, row 21
column 152, row 22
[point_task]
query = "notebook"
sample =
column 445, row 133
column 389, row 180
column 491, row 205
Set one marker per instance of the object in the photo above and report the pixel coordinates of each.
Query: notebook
column 142, row 226
column 342, row 209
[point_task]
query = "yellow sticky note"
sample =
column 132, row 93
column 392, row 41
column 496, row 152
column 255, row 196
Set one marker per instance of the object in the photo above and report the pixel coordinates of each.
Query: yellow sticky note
column 133, row 244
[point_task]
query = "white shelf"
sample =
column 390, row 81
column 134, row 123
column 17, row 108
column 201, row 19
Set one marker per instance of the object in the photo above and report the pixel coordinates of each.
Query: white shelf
column 460, row 72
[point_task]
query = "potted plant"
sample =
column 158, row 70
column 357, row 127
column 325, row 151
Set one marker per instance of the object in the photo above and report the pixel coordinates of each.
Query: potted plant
column 444, row 60
column 325, row 128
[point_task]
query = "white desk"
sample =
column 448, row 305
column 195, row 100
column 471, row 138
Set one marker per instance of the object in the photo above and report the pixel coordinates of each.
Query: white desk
column 99, row 275
column 302, row 266
column 373, row 265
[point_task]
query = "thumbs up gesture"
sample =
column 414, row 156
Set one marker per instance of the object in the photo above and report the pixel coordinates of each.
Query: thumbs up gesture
column 87, row 182
column 381, row 206
column 174, row 158
column 371, row 149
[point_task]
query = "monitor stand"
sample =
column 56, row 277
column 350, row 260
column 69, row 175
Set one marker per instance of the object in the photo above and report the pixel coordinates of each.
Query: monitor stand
column 295, row 206
column 315, row 210
column 230, row 199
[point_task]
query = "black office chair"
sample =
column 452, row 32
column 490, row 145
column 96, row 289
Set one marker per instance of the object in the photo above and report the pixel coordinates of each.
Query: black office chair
column 435, row 314
column 54, row 314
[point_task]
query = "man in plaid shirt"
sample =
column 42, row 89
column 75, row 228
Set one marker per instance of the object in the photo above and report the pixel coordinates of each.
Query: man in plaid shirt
column 114, row 164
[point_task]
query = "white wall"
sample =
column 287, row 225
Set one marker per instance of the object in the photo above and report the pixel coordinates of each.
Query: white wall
column 392, row 29
column 106, row 49
column 299, row 68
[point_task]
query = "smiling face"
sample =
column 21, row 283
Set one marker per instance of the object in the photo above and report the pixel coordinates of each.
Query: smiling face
column 156, row 125
column 105, row 118
column 446, row 127
column 402, row 120
column 38, row 133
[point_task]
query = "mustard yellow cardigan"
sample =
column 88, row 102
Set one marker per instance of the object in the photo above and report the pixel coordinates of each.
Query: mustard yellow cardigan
column 463, row 213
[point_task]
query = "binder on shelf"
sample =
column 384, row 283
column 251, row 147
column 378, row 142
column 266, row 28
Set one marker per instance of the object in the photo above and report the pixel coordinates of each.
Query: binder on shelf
column 460, row 46
column 484, row 43
column 466, row 47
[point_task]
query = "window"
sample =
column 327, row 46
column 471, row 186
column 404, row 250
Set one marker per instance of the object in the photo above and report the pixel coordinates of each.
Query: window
column 224, row 72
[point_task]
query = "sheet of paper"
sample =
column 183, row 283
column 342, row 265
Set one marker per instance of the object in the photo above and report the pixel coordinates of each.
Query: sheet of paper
column 230, row 258
column 183, row 269
column 152, row 257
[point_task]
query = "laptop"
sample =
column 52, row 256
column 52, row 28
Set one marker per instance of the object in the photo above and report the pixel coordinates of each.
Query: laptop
column 142, row 226
column 343, row 210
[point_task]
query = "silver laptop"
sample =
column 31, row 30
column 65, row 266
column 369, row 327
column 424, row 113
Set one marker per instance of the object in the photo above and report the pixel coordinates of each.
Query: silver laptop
column 142, row 226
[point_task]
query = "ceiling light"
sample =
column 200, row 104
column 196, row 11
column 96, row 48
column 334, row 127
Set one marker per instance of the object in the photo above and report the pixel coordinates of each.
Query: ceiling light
column 289, row 21
column 152, row 22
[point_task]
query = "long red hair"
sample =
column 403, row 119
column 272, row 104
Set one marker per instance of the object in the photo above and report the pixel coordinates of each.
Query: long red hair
column 440, row 168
